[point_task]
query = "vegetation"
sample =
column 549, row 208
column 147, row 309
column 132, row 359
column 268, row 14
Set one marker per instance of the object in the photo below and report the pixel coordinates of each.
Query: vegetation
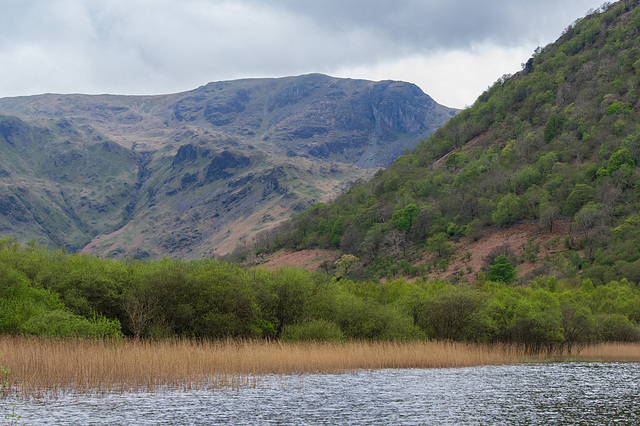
column 178, row 174
column 45, row 293
column 49, row 367
column 558, row 140
column 11, row 416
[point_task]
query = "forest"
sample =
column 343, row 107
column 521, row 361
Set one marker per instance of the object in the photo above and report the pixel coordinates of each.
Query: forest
column 558, row 141
column 53, row 293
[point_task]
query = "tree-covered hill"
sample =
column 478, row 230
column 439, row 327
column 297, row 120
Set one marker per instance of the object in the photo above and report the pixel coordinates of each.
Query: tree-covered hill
column 560, row 140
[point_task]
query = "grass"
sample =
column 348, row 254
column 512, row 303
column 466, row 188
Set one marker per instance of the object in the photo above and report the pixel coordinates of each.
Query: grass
column 41, row 367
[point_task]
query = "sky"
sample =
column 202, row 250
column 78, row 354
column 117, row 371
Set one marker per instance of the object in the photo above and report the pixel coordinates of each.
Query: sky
column 452, row 49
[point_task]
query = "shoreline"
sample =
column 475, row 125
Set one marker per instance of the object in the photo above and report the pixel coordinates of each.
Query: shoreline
column 41, row 367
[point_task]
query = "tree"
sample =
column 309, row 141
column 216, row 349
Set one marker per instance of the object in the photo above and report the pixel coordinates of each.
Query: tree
column 550, row 213
column 455, row 314
column 350, row 240
column 620, row 166
column 394, row 243
column 440, row 245
column 581, row 195
column 502, row 270
column 455, row 160
column 546, row 162
column 525, row 178
column 507, row 210
column 141, row 311
column 578, row 323
column 554, row 127
column 343, row 264
column 537, row 321
column 590, row 221
column 409, row 213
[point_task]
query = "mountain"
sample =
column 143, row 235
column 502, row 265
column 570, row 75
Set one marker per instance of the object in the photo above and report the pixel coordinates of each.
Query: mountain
column 194, row 173
column 552, row 150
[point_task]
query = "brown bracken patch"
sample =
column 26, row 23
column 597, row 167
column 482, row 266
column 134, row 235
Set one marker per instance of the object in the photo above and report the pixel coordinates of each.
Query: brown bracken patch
column 305, row 259
column 516, row 237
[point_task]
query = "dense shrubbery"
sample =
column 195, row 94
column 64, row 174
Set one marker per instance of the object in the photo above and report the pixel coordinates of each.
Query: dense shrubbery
column 560, row 139
column 53, row 293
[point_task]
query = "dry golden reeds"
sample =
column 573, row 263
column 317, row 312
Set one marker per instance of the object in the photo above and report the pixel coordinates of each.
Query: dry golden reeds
column 49, row 366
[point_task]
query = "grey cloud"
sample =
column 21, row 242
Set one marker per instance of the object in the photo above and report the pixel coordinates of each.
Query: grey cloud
column 150, row 46
column 441, row 24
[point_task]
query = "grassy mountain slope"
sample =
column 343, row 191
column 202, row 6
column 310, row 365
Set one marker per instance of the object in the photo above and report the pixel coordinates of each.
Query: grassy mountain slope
column 559, row 140
column 61, row 191
column 194, row 173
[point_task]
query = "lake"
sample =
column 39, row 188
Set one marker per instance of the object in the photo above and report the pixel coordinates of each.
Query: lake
column 561, row 393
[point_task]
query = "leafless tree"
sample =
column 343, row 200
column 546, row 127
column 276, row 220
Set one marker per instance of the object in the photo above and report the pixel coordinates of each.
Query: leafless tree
column 141, row 309
column 394, row 243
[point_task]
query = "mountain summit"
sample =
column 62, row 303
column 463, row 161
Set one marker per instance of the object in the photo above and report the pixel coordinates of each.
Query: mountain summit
column 193, row 173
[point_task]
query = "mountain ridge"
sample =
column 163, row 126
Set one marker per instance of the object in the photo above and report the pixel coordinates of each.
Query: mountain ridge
column 198, row 163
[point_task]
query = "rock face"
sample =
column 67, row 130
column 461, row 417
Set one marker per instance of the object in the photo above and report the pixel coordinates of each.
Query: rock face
column 352, row 121
column 192, row 174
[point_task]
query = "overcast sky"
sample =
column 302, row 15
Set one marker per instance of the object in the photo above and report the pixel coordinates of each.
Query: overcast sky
column 452, row 49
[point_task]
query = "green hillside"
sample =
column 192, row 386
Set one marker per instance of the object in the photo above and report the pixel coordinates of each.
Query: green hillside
column 556, row 143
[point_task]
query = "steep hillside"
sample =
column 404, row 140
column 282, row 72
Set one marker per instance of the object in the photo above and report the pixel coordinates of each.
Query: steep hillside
column 195, row 173
column 558, row 140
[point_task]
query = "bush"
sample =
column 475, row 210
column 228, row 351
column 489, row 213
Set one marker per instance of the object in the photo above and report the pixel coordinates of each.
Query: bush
column 61, row 323
column 455, row 314
column 617, row 328
column 313, row 330
column 365, row 319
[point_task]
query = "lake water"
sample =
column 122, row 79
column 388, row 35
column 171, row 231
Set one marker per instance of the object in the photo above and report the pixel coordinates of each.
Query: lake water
column 563, row 393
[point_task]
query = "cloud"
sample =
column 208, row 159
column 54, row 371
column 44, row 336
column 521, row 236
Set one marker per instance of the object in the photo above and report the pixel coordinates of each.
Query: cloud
column 160, row 46
column 451, row 24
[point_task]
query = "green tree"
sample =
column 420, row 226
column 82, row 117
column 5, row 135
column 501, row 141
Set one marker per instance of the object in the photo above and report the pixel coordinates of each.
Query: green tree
column 409, row 213
column 550, row 213
column 502, row 270
column 537, row 321
column 581, row 195
column 343, row 264
column 578, row 323
column 455, row 160
column 618, row 159
column 455, row 314
column 507, row 210
column 554, row 126
column 440, row 245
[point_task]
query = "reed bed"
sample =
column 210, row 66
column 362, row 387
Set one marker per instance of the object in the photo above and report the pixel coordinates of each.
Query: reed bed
column 42, row 367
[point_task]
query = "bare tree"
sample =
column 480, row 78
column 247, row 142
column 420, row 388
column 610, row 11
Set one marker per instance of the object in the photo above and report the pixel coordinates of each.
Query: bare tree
column 550, row 213
column 141, row 309
column 394, row 243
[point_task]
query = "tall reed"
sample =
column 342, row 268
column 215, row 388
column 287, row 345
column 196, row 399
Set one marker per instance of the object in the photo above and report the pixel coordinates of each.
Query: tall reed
column 50, row 366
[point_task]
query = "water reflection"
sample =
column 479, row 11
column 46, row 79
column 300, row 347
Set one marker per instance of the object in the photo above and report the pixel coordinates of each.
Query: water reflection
column 567, row 393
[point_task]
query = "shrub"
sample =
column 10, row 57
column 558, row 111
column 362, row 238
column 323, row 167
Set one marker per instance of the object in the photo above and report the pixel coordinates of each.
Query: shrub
column 617, row 328
column 313, row 330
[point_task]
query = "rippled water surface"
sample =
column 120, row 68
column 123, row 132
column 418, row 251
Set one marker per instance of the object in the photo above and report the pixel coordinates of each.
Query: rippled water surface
column 566, row 393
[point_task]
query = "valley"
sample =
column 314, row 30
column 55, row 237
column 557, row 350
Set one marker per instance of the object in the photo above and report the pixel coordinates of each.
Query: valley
column 195, row 174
